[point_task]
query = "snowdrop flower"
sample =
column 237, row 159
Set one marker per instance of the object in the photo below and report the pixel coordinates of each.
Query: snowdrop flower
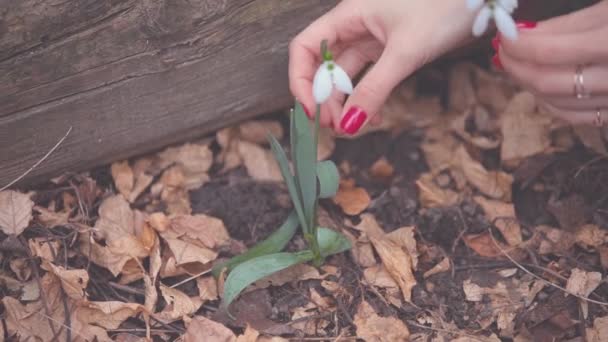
column 500, row 10
column 328, row 76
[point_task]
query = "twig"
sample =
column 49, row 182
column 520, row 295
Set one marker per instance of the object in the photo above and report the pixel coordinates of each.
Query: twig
column 344, row 338
column 445, row 331
column 134, row 330
column 127, row 289
column 587, row 164
column 190, row 278
column 462, row 232
column 43, row 298
column 39, row 161
column 546, row 282
column 64, row 299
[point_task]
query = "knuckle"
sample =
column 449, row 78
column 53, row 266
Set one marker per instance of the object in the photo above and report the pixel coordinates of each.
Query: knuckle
column 542, row 85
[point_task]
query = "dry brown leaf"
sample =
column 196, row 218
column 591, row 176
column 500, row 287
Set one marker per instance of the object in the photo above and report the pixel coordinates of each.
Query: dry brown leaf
column 443, row 266
column 495, row 184
column 491, row 338
column 116, row 224
column 322, row 303
column 461, row 93
column 373, row 328
column 394, row 251
column 404, row 238
column 502, row 215
column 259, row 162
column 369, row 225
column 591, row 236
column 103, row 255
column 193, row 159
column 123, row 178
column 397, row 262
column 50, row 218
column 603, row 251
column 15, row 211
column 362, row 251
column 201, row 328
column 256, row 131
column 493, row 90
column 249, row 335
column 189, row 251
column 207, row 288
column 382, row 169
column 305, row 320
column 431, row 195
column 132, row 271
column 297, row 272
column 44, row 248
column 378, row 276
column 554, row 240
column 21, row 267
column 173, row 191
column 438, row 148
column 483, row 245
column 507, row 298
column 108, row 315
column 142, row 181
column 10, row 282
column 351, row 199
column 525, row 131
column 210, row 231
column 599, row 331
column 73, row 282
column 159, row 221
column 30, row 291
column 26, row 321
column 178, row 305
column 271, row 339
column 482, row 141
column 124, row 337
column 582, row 283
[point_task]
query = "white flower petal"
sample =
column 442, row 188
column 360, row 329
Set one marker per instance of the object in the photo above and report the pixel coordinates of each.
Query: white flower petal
column 474, row 4
column 341, row 80
column 505, row 24
column 322, row 84
column 508, row 5
column 481, row 22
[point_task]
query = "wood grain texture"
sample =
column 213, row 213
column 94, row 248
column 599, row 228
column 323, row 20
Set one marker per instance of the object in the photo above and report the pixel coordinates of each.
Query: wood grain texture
column 132, row 76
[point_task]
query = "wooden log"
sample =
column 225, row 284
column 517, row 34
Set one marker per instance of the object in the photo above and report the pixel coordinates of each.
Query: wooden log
column 132, row 76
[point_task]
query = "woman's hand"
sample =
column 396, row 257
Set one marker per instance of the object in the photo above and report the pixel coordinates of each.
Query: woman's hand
column 561, row 58
column 399, row 36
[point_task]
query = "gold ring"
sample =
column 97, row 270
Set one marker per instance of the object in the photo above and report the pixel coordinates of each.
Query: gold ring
column 579, row 84
column 599, row 120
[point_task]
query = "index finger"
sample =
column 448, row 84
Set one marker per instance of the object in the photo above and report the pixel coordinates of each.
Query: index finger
column 338, row 25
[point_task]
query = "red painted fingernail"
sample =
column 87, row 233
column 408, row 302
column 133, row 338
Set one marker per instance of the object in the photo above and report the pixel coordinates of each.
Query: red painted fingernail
column 353, row 120
column 525, row 24
column 496, row 61
column 307, row 112
column 496, row 43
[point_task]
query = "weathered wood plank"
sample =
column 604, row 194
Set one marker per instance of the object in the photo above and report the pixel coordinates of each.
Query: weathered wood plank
column 134, row 75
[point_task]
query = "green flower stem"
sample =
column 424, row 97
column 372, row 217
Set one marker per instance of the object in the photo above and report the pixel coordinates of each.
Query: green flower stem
column 318, row 258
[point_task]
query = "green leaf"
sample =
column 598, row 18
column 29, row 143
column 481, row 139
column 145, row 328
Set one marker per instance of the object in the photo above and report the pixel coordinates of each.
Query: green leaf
column 281, row 158
column 331, row 242
column 272, row 244
column 329, row 178
column 305, row 161
column 255, row 269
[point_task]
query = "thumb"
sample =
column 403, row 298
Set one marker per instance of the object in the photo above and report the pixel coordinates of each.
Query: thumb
column 373, row 90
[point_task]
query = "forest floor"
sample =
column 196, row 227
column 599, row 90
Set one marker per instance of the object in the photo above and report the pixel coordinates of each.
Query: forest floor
column 473, row 215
